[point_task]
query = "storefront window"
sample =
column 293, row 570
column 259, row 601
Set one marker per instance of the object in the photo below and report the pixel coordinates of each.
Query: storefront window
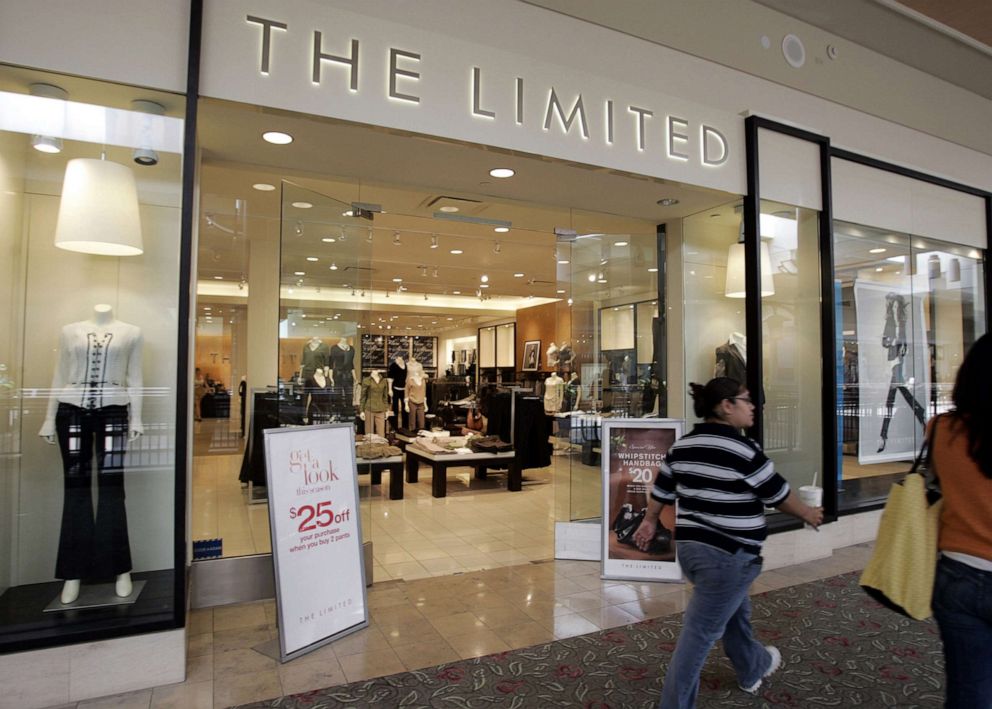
column 909, row 309
column 90, row 194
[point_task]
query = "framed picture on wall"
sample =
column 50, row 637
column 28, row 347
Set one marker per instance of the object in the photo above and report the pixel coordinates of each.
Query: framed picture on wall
column 532, row 355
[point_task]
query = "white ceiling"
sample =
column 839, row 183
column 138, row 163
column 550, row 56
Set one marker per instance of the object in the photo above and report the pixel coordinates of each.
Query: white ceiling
column 331, row 164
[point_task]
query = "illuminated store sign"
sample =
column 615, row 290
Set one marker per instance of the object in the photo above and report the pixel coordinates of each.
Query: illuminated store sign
column 323, row 58
column 404, row 75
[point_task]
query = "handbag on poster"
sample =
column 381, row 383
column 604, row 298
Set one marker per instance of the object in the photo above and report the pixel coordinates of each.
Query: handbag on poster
column 902, row 568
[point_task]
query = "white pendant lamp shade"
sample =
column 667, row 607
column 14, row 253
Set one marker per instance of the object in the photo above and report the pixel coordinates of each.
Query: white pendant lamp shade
column 98, row 213
column 735, row 272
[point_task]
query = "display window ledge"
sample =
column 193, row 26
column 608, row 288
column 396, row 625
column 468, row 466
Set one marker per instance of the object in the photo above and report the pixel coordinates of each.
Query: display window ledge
column 28, row 627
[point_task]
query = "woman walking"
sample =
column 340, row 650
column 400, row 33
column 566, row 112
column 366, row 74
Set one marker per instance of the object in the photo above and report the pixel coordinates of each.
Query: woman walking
column 962, row 596
column 722, row 481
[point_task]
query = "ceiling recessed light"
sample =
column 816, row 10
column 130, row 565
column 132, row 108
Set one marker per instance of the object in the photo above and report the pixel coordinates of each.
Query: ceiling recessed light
column 347, row 213
column 449, row 209
column 334, row 267
column 299, row 273
column 397, row 280
column 312, row 258
column 302, row 205
column 501, row 229
column 483, row 285
column 562, row 262
column 667, row 202
column 455, row 292
column 456, row 252
column 878, row 270
column 501, row 172
column 484, row 278
column 592, row 277
column 328, row 239
column 652, row 270
column 277, row 138
column 263, row 187
column 218, row 278
column 876, row 251
column 518, row 275
column 560, row 291
column 601, row 280
column 620, row 243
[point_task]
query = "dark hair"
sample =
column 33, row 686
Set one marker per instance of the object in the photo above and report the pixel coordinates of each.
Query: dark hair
column 972, row 394
column 706, row 398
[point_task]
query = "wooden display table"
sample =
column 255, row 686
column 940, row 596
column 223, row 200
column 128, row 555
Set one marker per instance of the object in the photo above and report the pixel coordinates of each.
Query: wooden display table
column 442, row 461
column 393, row 464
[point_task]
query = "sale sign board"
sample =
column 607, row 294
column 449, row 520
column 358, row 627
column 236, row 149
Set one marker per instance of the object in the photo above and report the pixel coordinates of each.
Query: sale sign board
column 316, row 535
column 632, row 451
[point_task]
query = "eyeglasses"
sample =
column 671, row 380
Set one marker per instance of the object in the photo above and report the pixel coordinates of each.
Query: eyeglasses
column 741, row 398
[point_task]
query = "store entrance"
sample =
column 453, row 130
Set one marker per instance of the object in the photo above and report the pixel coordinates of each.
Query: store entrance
column 512, row 310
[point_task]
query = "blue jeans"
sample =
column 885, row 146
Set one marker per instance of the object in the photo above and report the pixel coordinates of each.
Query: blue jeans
column 719, row 607
column 962, row 605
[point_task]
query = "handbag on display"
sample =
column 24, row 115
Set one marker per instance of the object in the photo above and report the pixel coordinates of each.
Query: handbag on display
column 627, row 522
column 900, row 574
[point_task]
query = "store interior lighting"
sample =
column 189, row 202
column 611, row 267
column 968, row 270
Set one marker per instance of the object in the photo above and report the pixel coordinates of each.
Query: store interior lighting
column 45, row 142
column 98, row 211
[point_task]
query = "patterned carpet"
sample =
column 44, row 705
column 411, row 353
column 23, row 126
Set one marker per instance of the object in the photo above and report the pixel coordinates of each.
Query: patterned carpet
column 840, row 649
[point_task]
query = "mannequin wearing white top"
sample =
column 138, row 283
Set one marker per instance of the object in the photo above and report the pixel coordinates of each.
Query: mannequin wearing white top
column 552, row 356
column 95, row 409
column 416, row 396
column 554, row 393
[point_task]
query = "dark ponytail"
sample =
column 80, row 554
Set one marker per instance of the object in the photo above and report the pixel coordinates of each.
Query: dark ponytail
column 706, row 398
column 971, row 396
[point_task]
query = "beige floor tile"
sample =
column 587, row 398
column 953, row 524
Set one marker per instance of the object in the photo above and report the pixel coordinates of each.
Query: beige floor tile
column 609, row 617
column 200, row 621
column 397, row 615
column 240, row 662
column 587, row 600
column 296, row 677
column 131, row 700
column 445, row 565
column 457, row 624
column 241, row 616
column 502, row 617
column 409, row 570
column 244, row 688
column 202, row 644
column 525, row 634
column 199, row 669
column 367, row 640
column 371, row 664
column 478, row 643
column 188, row 695
column 652, row 607
column 420, row 655
column 487, row 599
column 440, row 608
column 619, row 594
column 425, row 553
column 241, row 638
column 391, row 558
column 568, row 626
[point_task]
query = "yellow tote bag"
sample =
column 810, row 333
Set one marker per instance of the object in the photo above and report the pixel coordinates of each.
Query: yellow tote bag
column 903, row 565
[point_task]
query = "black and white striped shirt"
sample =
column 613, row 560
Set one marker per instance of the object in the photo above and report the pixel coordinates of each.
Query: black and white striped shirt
column 723, row 481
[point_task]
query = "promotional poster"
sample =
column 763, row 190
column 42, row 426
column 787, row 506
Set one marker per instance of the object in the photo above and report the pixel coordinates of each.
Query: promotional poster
column 632, row 452
column 893, row 371
column 316, row 535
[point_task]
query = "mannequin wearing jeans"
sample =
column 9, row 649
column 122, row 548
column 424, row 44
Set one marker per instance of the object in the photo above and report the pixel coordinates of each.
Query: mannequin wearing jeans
column 95, row 410
column 416, row 397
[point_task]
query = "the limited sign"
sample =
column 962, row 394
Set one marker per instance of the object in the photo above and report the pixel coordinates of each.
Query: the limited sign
column 632, row 451
column 316, row 536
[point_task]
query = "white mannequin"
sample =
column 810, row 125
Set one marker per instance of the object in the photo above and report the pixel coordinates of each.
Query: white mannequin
column 739, row 341
column 103, row 317
column 552, row 356
column 554, row 393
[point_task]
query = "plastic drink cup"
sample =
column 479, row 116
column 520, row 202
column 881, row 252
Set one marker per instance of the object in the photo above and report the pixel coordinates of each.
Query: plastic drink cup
column 811, row 495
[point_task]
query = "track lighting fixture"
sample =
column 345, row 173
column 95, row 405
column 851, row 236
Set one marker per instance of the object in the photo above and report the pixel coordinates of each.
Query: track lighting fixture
column 333, row 266
column 299, row 227
column 434, row 241
column 434, row 272
column 497, row 247
column 423, row 271
column 368, row 237
column 144, row 154
column 50, row 143
column 396, row 239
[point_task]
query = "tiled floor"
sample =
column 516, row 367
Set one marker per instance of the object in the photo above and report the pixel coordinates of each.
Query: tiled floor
column 428, row 621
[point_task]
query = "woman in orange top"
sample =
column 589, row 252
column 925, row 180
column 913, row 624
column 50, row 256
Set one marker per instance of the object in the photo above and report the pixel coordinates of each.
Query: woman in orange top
column 962, row 596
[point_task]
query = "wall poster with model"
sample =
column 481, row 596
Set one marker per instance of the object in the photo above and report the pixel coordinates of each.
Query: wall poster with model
column 632, row 451
column 893, row 371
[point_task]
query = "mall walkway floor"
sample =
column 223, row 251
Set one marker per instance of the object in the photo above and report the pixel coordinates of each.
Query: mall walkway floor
column 424, row 622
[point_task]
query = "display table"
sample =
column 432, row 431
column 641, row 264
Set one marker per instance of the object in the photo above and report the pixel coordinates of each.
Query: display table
column 374, row 467
column 442, row 461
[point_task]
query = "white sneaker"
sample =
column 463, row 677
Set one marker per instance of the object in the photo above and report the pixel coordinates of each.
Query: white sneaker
column 772, row 668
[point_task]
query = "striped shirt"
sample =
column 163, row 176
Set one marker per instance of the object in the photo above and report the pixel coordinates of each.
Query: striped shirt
column 723, row 481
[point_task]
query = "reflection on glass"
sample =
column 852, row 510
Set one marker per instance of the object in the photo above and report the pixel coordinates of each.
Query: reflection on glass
column 790, row 320
column 909, row 309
